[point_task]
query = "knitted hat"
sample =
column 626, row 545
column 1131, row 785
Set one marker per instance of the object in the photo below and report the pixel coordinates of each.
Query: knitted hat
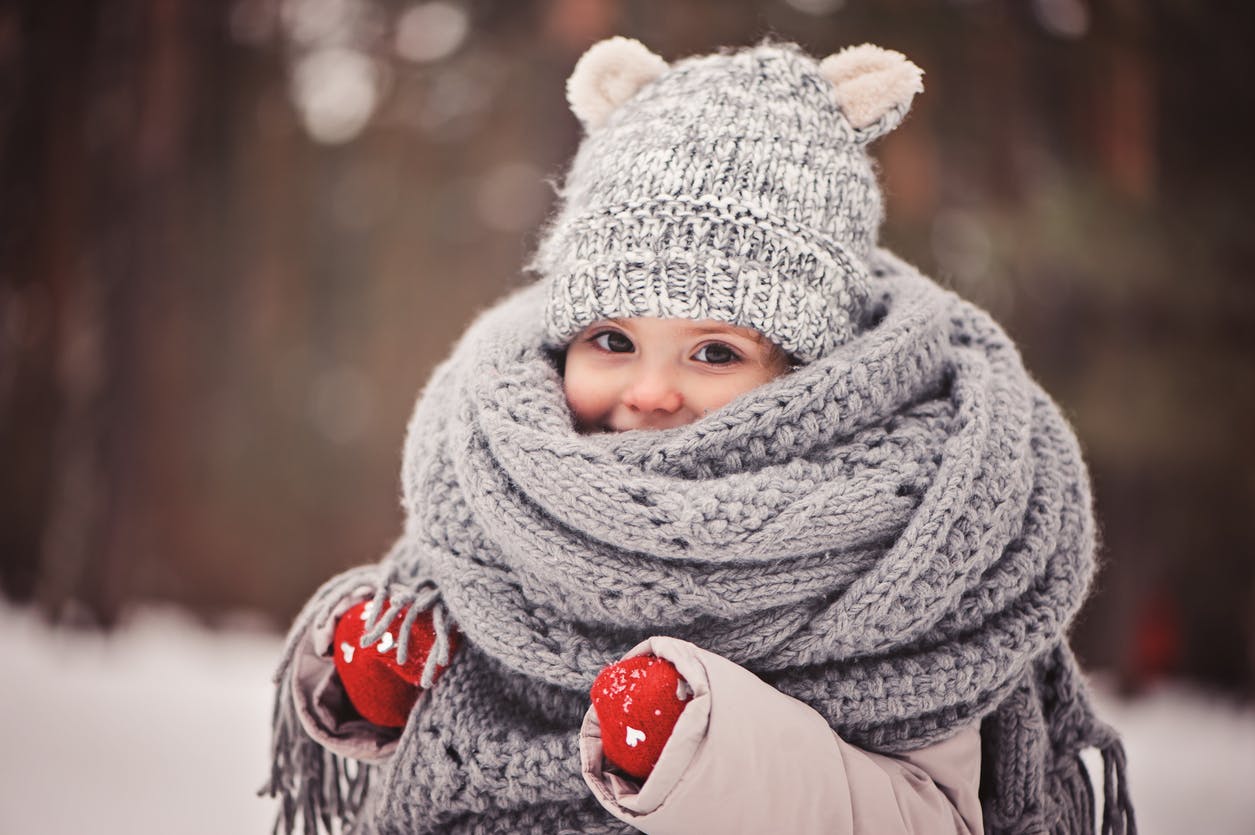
column 733, row 187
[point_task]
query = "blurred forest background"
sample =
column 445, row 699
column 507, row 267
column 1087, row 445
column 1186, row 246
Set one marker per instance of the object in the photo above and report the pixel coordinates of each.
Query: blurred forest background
column 236, row 236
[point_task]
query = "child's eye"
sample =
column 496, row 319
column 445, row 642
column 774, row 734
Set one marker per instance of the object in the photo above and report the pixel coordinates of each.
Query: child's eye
column 716, row 353
column 614, row 342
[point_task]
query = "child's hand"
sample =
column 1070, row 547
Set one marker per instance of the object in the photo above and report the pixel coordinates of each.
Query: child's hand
column 382, row 690
column 638, row 702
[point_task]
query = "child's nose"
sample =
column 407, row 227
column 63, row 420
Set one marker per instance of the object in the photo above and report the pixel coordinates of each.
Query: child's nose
column 653, row 390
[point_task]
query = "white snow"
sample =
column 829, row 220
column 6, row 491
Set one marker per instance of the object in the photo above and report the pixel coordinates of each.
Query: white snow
column 164, row 727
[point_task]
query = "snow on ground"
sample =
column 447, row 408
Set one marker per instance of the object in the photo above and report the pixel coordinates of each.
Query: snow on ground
column 160, row 728
column 163, row 727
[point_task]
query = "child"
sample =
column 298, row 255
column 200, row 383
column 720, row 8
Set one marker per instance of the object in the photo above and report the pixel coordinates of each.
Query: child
column 794, row 517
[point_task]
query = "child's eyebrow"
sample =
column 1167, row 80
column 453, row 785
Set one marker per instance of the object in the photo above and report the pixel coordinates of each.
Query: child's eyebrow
column 698, row 330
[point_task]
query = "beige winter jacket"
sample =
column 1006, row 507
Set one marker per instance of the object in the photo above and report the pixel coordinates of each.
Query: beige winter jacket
column 745, row 757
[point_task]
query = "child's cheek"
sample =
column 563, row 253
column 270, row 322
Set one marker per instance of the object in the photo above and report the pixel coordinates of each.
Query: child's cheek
column 715, row 393
column 586, row 396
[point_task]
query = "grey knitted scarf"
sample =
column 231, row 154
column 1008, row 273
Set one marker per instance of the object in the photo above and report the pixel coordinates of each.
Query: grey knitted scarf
column 897, row 534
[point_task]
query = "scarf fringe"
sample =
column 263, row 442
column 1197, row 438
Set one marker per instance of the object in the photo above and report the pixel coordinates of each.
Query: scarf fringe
column 320, row 791
column 398, row 597
column 1117, row 815
column 1075, row 785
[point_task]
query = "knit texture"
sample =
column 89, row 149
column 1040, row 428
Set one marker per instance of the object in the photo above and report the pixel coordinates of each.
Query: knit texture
column 732, row 187
column 897, row 534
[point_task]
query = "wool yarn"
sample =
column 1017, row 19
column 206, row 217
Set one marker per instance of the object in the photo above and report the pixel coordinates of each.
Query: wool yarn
column 897, row 534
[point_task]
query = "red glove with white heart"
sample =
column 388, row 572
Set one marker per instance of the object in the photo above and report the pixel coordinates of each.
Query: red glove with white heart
column 382, row 690
column 638, row 701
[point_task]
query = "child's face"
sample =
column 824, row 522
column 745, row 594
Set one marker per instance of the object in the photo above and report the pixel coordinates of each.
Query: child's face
column 661, row 373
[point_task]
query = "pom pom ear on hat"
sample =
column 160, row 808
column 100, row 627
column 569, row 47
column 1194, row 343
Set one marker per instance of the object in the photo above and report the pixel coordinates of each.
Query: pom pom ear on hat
column 608, row 74
column 873, row 87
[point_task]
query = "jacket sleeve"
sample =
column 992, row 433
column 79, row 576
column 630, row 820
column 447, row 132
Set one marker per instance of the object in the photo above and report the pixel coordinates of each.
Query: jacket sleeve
column 321, row 703
column 745, row 757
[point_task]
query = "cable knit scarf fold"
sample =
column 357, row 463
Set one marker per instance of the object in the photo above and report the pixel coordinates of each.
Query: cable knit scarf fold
column 898, row 535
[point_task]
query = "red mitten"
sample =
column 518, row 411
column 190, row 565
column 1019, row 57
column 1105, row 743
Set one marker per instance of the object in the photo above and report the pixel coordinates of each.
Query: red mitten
column 382, row 690
column 638, row 702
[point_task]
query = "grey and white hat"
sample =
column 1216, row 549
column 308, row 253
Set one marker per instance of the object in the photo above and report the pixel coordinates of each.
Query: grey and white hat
column 734, row 186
